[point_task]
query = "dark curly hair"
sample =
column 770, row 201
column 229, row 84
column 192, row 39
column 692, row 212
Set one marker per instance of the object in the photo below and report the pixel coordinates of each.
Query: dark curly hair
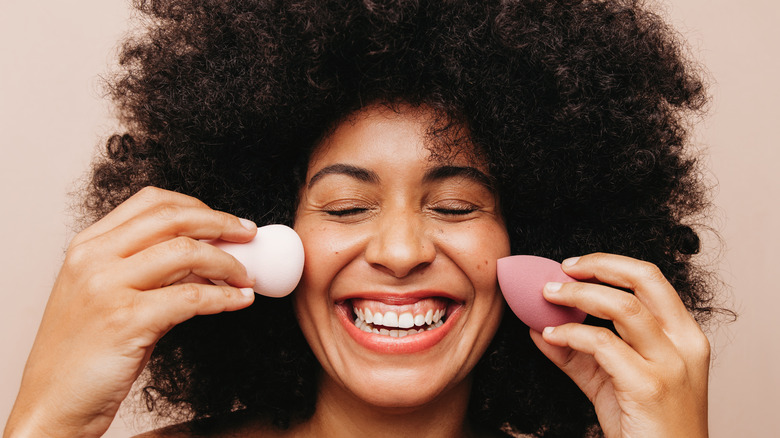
column 579, row 107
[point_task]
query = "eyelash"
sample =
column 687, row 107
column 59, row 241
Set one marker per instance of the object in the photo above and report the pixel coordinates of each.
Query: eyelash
column 346, row 211
column 455, row 211
column 358, row 210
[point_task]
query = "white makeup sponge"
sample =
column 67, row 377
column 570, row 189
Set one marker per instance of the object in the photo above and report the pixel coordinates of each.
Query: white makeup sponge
column 274, row 257
column 522, row 279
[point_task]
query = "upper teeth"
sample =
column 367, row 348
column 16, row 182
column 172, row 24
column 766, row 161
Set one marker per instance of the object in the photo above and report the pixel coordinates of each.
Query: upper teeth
column 404, row 320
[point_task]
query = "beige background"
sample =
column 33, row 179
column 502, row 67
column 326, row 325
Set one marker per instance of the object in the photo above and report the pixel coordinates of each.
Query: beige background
column 52, row 118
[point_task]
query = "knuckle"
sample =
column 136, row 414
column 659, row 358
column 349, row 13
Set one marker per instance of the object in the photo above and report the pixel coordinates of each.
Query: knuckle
column 629, row 305
column 167, row 212
column 184, row 246
column 150, row 194
column 114, row 324
column 575, row 288
column 191, row 293
column 77, row 257
column 604, row 337
column 226, row 219
column 228, row 292
column 95, row 284
column 655, row 389
column 124, row 316
column 569, row 359
column 77, row 240
column 700, row 347
column 651, row 272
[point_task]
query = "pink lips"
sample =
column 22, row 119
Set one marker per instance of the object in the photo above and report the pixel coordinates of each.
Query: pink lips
column 391, row 345
column 522, row 279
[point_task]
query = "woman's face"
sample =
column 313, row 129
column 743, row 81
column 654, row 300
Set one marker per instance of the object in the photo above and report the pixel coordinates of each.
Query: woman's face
column 399, row 297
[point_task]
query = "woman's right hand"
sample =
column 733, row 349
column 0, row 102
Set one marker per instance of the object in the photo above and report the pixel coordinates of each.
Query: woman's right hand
column 119, row 291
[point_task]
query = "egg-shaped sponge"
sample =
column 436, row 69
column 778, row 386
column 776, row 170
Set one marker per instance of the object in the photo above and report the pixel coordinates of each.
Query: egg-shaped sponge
column 522, row 278
column 275, row 258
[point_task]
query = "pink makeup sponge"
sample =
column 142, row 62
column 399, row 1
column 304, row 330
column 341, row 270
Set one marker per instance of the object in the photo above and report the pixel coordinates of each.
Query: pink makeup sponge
column 522, row 279
column 274, row 257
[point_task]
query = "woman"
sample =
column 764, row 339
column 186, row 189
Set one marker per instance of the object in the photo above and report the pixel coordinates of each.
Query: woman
column 410, row 145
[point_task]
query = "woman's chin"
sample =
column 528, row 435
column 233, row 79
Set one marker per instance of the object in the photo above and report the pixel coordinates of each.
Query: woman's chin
column 402, row 391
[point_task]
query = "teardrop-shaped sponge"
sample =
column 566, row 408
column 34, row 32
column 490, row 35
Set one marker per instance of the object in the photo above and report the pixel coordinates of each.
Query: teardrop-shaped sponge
column 522, row 278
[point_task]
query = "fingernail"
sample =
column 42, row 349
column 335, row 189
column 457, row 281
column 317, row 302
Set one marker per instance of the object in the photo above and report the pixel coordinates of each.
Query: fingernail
column 570, row 261
column 247, row 291
column 548, row 330
column 249, row 225
column 553, row 286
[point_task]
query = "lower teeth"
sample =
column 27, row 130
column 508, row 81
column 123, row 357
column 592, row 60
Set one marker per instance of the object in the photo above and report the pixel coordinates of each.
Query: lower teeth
column 395, row 333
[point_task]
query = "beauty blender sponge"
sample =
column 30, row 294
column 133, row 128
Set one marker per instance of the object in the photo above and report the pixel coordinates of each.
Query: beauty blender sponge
column 274, row 257
column 522, row 278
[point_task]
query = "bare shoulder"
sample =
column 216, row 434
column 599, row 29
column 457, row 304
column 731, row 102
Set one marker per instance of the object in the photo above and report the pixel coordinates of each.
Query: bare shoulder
column 236, row 424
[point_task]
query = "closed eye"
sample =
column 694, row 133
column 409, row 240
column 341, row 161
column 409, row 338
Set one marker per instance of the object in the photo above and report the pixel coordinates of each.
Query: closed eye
column 346, row 211
column 454, row 211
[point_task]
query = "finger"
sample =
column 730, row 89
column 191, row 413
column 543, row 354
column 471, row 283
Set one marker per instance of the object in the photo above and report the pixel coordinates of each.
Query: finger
column 166, row 222
column 581, row 368
column 164, row 308
column 176, row 259
column 141, row 202
column 615, row 357
column 635, row 324
column 645, row 279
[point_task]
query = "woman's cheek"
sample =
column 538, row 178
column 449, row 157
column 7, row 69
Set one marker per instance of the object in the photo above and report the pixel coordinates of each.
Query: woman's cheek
column 327, row 249
column 476, row 248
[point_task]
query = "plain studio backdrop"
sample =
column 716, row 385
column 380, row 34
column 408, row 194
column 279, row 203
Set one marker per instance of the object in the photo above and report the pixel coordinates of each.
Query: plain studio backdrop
column 53, row 118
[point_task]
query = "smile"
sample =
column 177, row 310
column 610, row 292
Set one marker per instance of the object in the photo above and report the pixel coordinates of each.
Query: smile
column 406, row 324
column 399, row 320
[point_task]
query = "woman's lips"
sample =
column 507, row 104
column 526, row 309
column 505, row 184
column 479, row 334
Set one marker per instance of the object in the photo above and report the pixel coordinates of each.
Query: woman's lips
column 398, row 325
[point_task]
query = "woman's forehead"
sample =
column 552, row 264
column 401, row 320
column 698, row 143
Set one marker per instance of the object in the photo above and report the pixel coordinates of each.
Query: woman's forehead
column 393, row 132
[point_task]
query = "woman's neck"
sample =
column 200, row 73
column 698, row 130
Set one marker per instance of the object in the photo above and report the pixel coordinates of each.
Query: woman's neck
column 340, row 413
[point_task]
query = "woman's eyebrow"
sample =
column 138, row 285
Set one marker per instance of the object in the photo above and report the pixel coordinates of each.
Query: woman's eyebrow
column 443, row 172
column 356, row 172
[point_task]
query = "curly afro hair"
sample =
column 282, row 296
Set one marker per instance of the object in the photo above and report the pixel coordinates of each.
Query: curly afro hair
column 579, row 107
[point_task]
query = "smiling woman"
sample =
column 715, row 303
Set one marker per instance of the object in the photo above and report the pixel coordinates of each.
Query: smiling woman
column 391, row 237
column 410, row 144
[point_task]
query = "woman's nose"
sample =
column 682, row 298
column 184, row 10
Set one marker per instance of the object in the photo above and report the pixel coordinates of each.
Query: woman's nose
column 400, row 246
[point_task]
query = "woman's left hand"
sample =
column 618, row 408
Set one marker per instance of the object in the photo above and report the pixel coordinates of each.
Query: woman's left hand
column 651, row 380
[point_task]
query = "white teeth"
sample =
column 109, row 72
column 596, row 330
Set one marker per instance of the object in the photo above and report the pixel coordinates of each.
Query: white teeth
column 406, row 320
column 390, row 319
column 365, row 320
